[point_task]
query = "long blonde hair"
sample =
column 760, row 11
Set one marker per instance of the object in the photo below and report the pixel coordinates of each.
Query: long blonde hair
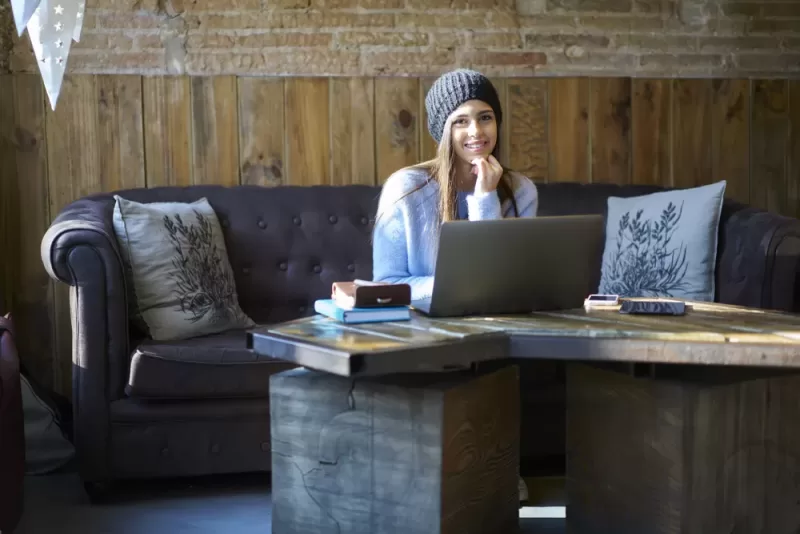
column 441, row 169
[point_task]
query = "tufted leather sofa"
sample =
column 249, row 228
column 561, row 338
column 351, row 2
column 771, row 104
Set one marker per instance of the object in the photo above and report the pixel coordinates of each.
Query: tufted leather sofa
column 150, row 409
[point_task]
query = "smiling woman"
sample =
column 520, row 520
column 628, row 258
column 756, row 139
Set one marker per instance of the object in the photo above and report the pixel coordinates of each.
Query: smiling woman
column 464, row 180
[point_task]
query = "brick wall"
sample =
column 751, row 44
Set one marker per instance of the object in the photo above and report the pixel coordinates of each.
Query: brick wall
column 688, row 38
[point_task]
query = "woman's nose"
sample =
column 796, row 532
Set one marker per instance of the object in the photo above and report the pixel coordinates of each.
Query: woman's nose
column 473, row 129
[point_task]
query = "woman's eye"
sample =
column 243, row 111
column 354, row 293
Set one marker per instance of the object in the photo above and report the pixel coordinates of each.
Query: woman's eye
column 486, row 118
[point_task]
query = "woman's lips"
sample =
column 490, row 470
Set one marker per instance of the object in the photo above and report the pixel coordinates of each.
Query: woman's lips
column 475, row 146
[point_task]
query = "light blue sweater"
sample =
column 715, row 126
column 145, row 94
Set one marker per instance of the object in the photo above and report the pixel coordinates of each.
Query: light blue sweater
column 405, row 241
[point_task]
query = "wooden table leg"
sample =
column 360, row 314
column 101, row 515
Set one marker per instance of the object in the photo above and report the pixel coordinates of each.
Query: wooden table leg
column 701, row 451
column 406, row 454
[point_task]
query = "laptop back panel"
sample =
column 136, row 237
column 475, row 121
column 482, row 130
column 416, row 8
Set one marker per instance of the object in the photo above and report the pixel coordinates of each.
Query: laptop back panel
column 516, row 265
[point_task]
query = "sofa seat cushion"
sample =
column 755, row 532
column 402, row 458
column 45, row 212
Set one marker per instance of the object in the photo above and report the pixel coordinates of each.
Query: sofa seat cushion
column 214, row 366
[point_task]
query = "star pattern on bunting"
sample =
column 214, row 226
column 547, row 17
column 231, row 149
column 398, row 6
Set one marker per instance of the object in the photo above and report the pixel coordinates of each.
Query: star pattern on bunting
column 52, row 27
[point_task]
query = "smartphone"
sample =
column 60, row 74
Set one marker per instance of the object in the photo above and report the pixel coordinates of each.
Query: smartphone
column 600, row 301
column 653, row 307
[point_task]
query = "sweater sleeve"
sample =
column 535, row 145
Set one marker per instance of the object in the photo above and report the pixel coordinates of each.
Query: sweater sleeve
column 487, row 205
column 390, row 250
column 483, row 206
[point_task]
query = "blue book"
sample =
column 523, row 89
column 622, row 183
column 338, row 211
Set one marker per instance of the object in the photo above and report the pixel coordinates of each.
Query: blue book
column 329, row 308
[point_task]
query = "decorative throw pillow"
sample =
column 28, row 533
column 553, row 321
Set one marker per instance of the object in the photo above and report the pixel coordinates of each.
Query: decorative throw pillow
column 181, row 282
column 663, row 244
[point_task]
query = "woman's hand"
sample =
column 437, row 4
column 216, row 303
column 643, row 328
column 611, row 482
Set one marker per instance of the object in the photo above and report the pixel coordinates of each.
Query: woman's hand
column 489, row 172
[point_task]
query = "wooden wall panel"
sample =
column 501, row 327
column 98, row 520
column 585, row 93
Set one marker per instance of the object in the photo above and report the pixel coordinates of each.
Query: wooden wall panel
column 691, row 133
column 32, row 288
column 120, row 129
column 651, row 132
column 116, row 132
column 8, row 190
column 262, row 150
column 215, row 131
column 308, row 130
column 503, row 134
column 352, row 109
column 397, row 124
column 611, row 130
column 168, row 139
column 427, row 145
column 730, row 137
column 569, row 130
column 793, row 195
column 770, row 143
column 526, row 123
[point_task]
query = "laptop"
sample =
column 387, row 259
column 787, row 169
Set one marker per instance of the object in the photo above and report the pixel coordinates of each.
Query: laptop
column 515, row 265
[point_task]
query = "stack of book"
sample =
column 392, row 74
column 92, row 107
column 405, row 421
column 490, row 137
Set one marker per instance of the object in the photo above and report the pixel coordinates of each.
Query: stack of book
column 362, row 301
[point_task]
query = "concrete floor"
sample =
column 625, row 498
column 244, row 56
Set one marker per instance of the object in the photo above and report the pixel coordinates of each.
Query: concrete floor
column 57, row 504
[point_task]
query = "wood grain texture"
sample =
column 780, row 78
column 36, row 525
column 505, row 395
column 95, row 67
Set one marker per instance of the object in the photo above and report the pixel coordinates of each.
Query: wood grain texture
column 611, row 130
column 526, row 123
column 480, row 454
column 793, row 178
column 503, row 131
column 730, row 148
column 709, row 334
column 121, row 159
column 691, row 133
column 215, row 131
column 32, row 293
column 352, row 107
column 168, row 135
column 412, row 453
column 651, row 132
column 73, row 142
column 700, row 455
column 568, row 128
column 397, row 121
column 8, row 191
column 307, row 127
column 427, row 144
column 261, row 131
column 770, row 131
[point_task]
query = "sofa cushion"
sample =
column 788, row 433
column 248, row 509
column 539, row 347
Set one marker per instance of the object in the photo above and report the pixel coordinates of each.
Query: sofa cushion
column 177, row 264
column 286, row 245
column 663, row 244
column 215, row 366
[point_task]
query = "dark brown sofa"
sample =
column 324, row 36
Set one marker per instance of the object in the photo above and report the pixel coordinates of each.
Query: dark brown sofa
column 145, row 409
column 12, row 430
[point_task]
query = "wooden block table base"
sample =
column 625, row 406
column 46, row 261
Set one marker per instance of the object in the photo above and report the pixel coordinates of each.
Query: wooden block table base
column 696, row 452
column 407, row 454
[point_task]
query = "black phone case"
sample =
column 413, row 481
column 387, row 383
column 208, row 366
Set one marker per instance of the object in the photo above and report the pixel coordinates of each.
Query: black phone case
column 652, row 308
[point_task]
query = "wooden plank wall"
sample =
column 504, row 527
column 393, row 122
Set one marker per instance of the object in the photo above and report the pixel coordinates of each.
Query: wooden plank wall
column 112, row 132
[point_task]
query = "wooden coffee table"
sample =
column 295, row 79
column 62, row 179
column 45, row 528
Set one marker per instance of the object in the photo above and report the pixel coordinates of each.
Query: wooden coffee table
column 674, row 424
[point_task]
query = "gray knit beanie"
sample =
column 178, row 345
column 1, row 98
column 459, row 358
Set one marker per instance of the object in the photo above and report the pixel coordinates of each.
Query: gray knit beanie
column 453, row 89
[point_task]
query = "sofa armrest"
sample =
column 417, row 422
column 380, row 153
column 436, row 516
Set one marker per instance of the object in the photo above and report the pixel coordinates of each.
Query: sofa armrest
column 80, row 250
column 759, row 259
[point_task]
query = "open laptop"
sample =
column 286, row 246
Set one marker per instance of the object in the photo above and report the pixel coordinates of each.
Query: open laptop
column 515, row 265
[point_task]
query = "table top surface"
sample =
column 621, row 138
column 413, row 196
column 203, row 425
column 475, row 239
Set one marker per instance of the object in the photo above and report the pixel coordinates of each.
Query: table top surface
column 709, row 333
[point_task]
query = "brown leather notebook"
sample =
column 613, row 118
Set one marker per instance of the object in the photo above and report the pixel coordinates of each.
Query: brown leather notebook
column 364, row 294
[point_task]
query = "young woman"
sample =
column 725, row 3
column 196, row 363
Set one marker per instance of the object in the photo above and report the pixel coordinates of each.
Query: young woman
column 463, row 181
